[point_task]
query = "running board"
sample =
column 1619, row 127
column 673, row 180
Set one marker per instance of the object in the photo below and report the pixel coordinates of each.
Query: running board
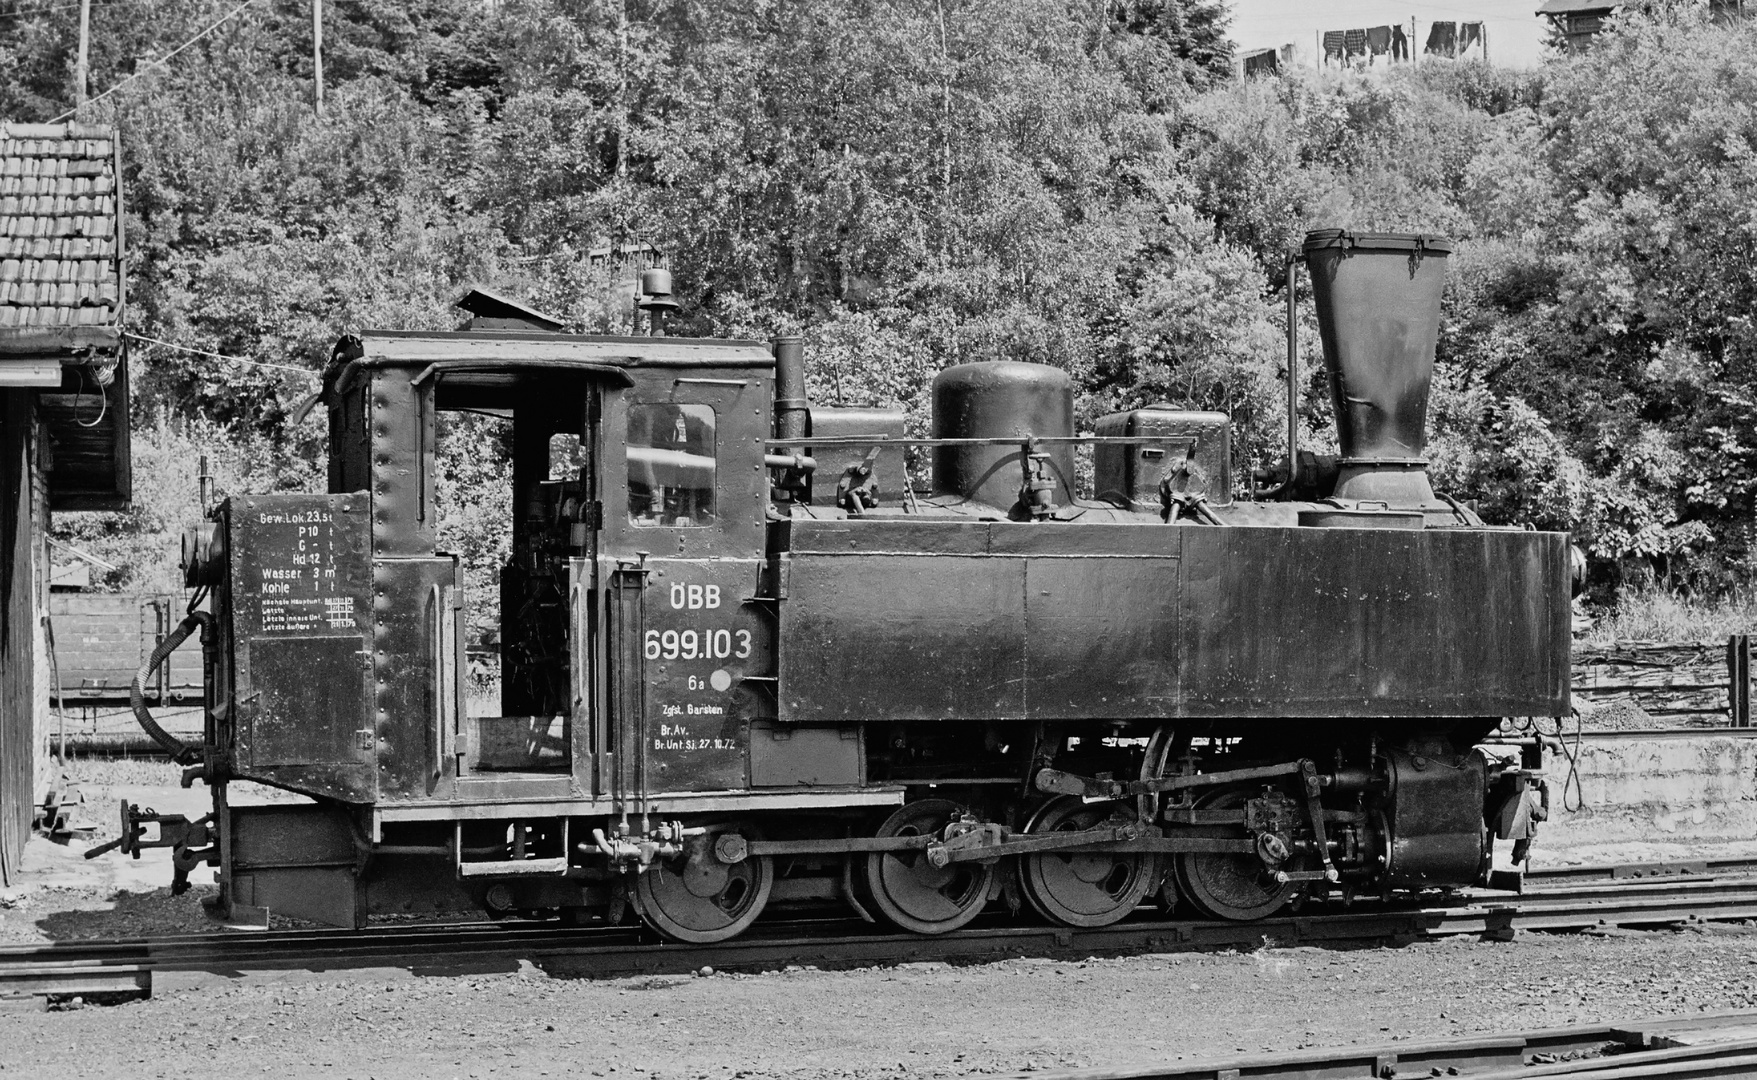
column 513, row 868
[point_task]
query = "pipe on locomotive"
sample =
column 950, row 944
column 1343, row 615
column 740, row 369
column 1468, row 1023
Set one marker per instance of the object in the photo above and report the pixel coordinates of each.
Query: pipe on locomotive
column 1294, row 258
column 180, row 752
column 793, row 409
column 791, row 406
column 792, row 416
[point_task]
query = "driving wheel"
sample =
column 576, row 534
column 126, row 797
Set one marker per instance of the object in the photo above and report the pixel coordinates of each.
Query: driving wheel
column 1087, row 888
column 700, row 899
column 1228, row 885
column 913, row 893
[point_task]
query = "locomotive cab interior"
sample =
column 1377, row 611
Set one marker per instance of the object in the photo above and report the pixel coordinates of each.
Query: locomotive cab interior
column 532, row 428
column 535, row 431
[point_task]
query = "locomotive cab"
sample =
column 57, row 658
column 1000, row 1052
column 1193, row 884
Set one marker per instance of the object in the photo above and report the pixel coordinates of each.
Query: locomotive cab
column 342, row 624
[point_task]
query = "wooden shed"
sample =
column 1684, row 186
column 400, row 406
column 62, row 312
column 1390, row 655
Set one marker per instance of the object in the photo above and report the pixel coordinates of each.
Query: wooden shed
column 1577, row 21
column 64, row 407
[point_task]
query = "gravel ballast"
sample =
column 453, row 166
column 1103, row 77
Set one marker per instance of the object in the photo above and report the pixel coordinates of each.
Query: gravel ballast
column 925, row 1020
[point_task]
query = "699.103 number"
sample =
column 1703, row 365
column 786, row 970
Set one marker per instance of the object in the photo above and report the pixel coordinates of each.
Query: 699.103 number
column 697, row 645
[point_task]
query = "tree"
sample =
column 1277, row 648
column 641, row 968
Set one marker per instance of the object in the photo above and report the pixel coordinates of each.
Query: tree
column 1188, row 36
column 915, row 183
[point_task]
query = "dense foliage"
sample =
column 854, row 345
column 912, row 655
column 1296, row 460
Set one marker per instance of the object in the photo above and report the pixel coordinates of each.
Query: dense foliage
column 915, row 183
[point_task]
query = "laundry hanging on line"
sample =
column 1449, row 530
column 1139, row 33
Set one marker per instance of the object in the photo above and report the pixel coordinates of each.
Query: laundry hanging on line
column 1470, row 34
column 1344, row 46
column 1442, row 39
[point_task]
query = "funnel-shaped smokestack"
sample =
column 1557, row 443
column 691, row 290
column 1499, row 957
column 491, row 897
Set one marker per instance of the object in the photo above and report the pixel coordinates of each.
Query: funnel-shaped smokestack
column 1378, row 299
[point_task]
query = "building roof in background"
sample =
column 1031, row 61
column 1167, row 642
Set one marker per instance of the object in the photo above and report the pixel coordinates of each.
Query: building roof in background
column 1570, row 7
column 492, row 309
column 60, row 239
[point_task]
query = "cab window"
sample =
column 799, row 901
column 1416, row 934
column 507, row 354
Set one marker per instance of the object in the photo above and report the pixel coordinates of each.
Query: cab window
column 567, row 457
column 671, row 464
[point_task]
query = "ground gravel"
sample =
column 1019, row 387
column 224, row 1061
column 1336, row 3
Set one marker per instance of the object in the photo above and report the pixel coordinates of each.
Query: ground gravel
column 921, row 1020
column 53, row 913
column 924, row 1020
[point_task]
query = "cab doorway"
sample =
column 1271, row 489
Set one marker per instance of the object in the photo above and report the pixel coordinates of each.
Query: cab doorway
column 514, row 486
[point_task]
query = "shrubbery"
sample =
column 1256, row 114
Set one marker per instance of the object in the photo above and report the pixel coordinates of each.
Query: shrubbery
column 919, row 185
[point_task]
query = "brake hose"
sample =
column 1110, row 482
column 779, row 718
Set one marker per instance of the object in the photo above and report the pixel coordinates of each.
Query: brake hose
column 182, row 753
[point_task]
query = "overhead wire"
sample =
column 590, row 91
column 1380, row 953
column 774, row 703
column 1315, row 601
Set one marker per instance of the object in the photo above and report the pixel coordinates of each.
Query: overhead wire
column 307, row 372
column 1476, row 9
column 22, row 12
column 1371, row 13
column 161, row 61
column 1467, row 11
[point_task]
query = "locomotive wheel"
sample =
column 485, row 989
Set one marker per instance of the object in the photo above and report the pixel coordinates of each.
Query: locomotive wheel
column 913, row 893
column 1085, row 889
column 699, row 899
column 1227, row 886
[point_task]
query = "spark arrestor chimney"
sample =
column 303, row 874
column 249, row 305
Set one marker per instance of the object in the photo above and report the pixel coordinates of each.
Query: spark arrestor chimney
column 1378, row 300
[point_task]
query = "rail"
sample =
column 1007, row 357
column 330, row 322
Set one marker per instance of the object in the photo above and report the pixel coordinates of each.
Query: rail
column 1717, row 1045
column 77, row 967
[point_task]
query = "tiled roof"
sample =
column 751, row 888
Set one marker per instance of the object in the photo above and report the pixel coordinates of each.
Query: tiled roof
column 60, row 243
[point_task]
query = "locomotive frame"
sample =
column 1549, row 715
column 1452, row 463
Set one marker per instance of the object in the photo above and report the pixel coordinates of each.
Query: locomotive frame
column 727, row 683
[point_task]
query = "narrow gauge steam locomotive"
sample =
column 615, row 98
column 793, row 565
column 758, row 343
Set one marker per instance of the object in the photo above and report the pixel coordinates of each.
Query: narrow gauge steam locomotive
column 744, row 663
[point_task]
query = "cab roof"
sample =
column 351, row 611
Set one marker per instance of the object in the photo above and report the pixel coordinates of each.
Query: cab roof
column 487, row 349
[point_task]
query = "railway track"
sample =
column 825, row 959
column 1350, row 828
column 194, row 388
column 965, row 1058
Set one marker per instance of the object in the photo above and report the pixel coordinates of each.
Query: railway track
column 1683, row 868
column 1703, row 1046
column 1583, row 899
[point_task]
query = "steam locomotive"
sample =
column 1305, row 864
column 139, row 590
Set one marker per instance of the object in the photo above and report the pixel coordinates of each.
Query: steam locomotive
column 745, row 663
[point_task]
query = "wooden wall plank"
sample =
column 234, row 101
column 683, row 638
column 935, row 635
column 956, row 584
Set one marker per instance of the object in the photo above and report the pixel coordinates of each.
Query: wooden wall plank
column 18, row 660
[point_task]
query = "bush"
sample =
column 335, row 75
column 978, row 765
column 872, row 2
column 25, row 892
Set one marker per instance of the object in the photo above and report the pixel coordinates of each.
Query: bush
column 1012, row 180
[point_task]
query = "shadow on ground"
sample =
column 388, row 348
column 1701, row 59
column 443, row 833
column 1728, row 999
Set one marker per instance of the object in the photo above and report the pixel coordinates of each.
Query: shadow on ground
column 131, row 914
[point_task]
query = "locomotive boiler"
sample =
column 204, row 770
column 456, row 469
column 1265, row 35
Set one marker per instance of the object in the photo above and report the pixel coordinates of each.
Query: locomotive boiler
column 746, row 663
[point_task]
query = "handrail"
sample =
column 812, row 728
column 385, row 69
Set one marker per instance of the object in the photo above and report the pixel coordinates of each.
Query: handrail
column 441, row 689
column 440, row 367
column 1011, row 440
